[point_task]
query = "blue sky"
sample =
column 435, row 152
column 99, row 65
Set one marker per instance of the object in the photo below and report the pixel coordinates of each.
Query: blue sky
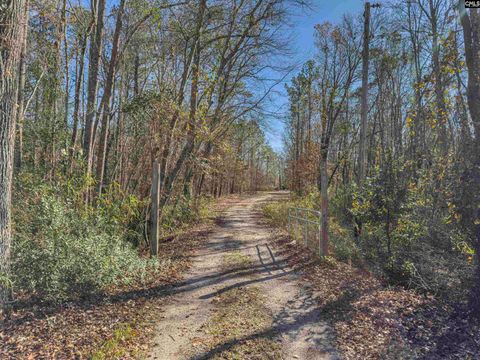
column 303, row 47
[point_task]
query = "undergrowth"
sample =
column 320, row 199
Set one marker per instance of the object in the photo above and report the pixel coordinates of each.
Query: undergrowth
column 398, row 233
column 114, row 347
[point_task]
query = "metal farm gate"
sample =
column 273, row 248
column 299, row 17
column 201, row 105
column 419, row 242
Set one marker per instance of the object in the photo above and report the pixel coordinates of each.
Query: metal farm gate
column 304, row 225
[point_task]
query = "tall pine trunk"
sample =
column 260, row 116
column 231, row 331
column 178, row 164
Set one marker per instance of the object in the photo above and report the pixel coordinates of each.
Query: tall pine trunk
column 362, row 158
column 12, row 32
column 441, row 107
column 21, row 97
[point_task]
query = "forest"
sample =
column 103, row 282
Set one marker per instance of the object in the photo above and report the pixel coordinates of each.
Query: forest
column 138, row 171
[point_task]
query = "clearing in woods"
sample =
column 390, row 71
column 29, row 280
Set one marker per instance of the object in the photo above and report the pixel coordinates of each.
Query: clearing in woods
column 240, row 300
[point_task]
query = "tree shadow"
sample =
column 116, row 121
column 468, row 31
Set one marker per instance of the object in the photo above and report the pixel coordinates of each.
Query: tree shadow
column 297, row 318
column 161, row 291
column 450, row 336
column 252, row 281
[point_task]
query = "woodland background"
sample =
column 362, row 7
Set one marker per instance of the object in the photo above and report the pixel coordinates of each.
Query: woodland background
column 121, row 121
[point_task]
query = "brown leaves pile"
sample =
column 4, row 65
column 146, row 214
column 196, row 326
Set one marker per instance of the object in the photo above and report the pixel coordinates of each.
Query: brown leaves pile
column 374, row 321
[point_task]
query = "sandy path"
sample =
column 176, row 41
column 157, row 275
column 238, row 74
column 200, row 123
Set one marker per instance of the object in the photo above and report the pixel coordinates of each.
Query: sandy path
column 296, row 318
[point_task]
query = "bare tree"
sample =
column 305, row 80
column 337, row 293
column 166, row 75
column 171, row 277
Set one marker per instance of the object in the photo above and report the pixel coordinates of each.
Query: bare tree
column 98, row 9
column 338, row 61
column 107, row 97
column 364, row 105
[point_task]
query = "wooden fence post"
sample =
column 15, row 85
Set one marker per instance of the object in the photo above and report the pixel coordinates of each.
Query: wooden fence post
column 305, row 229
column 155, row 198
column 320, row 248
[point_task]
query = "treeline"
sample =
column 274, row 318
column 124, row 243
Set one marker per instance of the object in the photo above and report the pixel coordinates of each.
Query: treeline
column 384, row 122
column 98, row 99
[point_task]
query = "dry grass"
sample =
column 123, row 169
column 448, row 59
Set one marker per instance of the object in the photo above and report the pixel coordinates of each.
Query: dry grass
column 239, row 327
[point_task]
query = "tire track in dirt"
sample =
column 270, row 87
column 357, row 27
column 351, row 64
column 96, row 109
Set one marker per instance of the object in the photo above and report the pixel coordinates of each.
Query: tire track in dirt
column 296, row 318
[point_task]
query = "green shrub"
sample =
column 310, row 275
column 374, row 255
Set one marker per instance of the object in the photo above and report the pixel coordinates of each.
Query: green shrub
column 61, row 251
column 121, row 212
column 311, row 200
column 277, row 212
column 203, row 208
column 410, row 229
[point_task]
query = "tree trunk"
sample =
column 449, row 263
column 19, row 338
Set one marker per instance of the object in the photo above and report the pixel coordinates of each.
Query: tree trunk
column 21, row 95
column 78, row 89
column 418, row 134
column 94, row 61
column 471, row 33
column 324, row 201
column 296, row 175
column 154, row 221
column 107, row 98
column 441, row 108
column 190, row 145
column 364, row 104
column 12, row 33
column 67, row 75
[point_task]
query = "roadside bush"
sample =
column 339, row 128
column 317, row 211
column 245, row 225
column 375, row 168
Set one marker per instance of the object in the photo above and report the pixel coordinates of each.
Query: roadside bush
column 410, row 229
column 277, row 212
column 120, row 213
column 61, row 251
column 343, row 242
column 311, row 200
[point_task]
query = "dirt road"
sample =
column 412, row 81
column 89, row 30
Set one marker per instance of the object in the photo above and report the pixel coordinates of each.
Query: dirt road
column 296, row 326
